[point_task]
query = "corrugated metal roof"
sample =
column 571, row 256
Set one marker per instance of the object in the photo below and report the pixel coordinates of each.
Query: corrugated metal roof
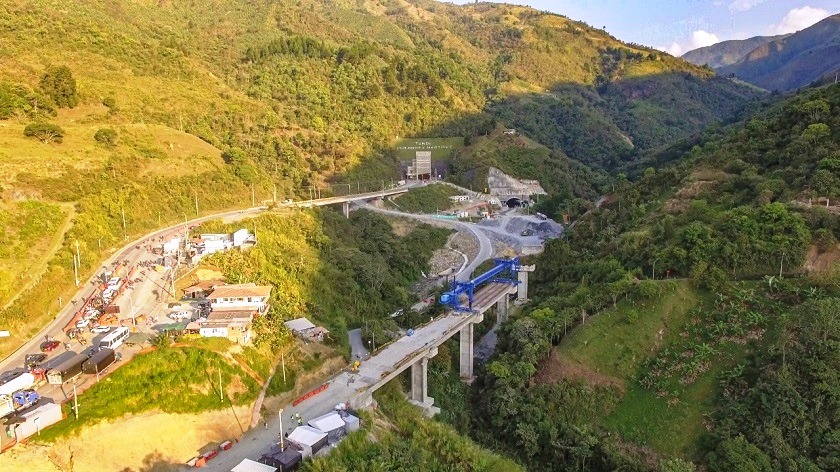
column 247, row 465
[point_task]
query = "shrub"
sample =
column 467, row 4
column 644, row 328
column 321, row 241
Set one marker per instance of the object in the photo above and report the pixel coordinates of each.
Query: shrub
column 58, row 83
column 45, row 132
column 106, row 136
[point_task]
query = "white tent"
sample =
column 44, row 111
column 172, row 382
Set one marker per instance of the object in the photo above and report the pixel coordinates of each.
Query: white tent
column 308, row 440
column 247, row 465
column 332, row 424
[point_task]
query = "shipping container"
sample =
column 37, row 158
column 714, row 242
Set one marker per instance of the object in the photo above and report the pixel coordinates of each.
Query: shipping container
column 99, row 361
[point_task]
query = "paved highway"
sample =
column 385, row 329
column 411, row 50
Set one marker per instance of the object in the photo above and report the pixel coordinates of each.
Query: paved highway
column 55, row 328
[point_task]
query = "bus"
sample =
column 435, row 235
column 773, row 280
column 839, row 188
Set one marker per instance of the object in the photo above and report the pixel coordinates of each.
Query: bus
column 115, row 338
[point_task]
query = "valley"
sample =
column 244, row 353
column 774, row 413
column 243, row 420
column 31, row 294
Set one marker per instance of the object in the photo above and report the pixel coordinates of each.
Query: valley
column 286, row 210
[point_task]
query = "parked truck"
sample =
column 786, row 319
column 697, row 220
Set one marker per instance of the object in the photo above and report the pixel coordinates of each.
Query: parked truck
column 17, row 401
column 67, row 370
column 99, row 361
column 22, row 382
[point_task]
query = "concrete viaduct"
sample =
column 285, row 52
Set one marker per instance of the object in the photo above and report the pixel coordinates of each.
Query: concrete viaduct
column 415, row 351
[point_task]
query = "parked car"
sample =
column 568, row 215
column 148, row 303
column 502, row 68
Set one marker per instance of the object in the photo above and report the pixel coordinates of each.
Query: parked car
column 180, row 315
column 49, row 346
column 33, row 360
column 288, row 201
column 100, row 329
column 82, row 323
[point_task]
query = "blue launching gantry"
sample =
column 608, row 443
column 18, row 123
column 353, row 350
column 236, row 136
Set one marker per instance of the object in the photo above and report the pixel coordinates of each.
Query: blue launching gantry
column 505, row 271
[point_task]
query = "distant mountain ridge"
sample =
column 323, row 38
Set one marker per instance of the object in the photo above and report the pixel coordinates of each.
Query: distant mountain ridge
column 729, row 52
column 794, row 61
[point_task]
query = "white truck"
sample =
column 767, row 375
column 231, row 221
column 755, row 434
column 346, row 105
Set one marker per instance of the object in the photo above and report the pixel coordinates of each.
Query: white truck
column 16, row 394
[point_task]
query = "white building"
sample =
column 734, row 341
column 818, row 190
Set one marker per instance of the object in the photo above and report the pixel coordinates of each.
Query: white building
column 208, row 243
column 171, row 246
column 240, row 297
column 232, row 324
column 233, row 308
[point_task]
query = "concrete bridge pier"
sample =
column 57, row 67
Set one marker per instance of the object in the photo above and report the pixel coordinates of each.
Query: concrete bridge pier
column 345, row 207
column 419, row 395
column 502, row 308
column 467, row 355
column 522, row 288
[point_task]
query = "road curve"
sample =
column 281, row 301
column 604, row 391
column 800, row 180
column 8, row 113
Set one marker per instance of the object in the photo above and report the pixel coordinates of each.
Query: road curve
column 485, row 250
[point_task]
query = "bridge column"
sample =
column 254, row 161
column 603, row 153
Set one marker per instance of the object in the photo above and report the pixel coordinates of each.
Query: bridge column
column 466, row 354
column 502, row 308
column 420, row 383
column 345, row 207
column 522, row 288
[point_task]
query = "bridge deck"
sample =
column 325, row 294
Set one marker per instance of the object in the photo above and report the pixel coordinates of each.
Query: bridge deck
column 490, row 294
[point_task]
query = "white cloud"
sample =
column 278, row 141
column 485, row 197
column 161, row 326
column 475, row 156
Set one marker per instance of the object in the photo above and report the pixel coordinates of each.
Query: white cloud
column 698, row 39
column 799, row 19
column 744, row 5
column 701, row 38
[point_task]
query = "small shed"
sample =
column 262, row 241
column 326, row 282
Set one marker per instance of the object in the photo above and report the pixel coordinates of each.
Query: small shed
column 351, row 423
column 285, row 461
column 33, row 421
column 332, row 424
column 247, row 465
column 308, row 440
column 300, row 326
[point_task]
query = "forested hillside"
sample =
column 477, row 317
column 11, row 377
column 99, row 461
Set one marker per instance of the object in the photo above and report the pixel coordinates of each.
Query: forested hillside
column 692, row 317
column 130, row 112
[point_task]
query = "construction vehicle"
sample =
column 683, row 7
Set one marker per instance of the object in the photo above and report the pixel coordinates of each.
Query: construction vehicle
column 504, row 270
column 17, row 401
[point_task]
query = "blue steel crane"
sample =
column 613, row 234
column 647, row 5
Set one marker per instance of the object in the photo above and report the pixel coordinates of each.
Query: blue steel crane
column 504, row 271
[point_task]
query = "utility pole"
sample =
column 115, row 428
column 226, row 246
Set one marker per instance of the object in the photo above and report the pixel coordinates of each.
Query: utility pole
column 196, row 203
column 253, row 198
column 221, row 398
column 125, row 235
column 76, row 270
column 275, row 193
column 78, row 255
column 280, row 415
column 654, row 268
column 283, row 362
column 75, row 401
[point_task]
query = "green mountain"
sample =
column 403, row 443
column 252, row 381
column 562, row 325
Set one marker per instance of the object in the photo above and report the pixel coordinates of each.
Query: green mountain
column 729, row 52
column 693, row 316
column 795, row 61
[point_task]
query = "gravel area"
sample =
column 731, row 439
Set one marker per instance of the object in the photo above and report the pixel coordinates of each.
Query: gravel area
column 444, row 260
column 464, row 242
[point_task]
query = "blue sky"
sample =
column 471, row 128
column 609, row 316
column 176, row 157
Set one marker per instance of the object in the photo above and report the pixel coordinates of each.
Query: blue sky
column 678, row 26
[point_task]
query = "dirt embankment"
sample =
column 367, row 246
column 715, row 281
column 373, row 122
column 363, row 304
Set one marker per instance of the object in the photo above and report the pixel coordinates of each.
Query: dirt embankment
column 556, row 368
column 147, row 442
